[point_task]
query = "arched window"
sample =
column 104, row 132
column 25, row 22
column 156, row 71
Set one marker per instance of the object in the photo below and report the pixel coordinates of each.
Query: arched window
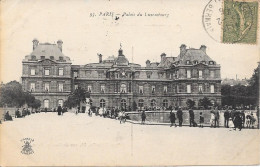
column 46, row 103
column 141, row 103
column 153, row 103
column 123, row 88
column 102, row 103
column 123, row 103
column 165, row 103
column 60, row 102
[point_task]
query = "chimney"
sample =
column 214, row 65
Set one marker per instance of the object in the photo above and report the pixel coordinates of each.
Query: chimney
column 163, row 56
column 182, row 50
column 100, row 58
column 148, row 63
column 35, row 43
column 203, row 48
column 59, row 43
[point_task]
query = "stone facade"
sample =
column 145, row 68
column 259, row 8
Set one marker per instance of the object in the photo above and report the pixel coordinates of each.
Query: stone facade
column 115, row 82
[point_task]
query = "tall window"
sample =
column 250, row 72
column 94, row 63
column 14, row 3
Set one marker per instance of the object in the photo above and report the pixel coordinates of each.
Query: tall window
column 123, row 103
column 153, row 103
column 60, row 71
column 188, row 74
column 46, row 71
column 200, row 88
column 212, row 75
column 60, row 102
column 141, row 89
column 153, row 89
column 212, row 89
column 189, row 88
column 200, row 73
column 32, row 71
column 32, row 87
column 47, row 87
column 76, row 87
column 130, row 87
column 46, row 103
column 165, row 89
column 140, row 103
column 177, row 74
column 75, row 74
column 89, row 88
column 123, row 88
column 60, row 87
column 165, row 103
column 102, row 103
column 102, row 88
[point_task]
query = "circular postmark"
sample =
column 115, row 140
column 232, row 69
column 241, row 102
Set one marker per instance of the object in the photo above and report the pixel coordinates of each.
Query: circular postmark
column 212, row 19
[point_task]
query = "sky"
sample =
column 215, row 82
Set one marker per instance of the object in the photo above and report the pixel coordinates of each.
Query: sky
column 142, row 37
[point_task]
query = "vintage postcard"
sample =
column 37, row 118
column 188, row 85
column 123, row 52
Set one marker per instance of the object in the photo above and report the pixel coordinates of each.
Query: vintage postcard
column 129, row 83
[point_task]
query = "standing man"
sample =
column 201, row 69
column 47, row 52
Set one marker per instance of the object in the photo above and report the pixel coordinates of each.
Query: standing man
column 59, row 110
column 226, row 118
column 191, row 113
column 143, row 117
column 179, row 115
column 216, row 117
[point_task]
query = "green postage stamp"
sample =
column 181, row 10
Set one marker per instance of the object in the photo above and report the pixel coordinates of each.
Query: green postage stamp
column 240, row 22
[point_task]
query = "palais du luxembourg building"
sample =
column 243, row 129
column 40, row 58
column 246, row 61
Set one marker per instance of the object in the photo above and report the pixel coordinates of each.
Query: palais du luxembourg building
column 113, row 81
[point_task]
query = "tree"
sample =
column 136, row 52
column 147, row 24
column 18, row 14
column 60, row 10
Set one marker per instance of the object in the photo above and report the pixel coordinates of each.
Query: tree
column 11, row 94
column 79, row 95
column 190, row 103
column 205, row 102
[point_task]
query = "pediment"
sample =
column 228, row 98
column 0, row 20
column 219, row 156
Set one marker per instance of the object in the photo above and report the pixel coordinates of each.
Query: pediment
column 47, row 62
column 200, row 65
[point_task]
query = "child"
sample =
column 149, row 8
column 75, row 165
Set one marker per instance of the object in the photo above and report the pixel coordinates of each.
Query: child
column 201, row 120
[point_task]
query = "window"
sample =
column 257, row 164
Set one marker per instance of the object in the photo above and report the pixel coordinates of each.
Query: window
column 212, row 74
column 153, row 89
column 60, row 71
column 60, row 102
column 32, row 71
column 52, row 57
column 165, row 89
column 60, row 58
column 195, row 62
column 200, row 88
column 177, row 74
column 188, row 74
column 153, row 103
column 165, row 103
column 46, row 87
column 102, row 103
column 102, row 87
column 116, row 87
column 200, row 73
column 123, row 103
column 75, row 73
column 76, row 87
column 140, row 103
column 89, row 88
column 141, row 89
column 42, row 57
column 46, row 103
column 117, row 75
column 60, row 87
column 33, row 57
column 212, row 89
column 187, row 62
column 123, row 88
column 46, row 71
column 32, row 87
column 177, row 88
column 188, row 88
column 211, row 62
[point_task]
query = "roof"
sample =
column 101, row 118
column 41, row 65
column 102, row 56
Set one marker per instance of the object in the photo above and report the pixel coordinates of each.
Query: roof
column 47, row 50
column 167, row 62
column 122, row 60
column 194, row 55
